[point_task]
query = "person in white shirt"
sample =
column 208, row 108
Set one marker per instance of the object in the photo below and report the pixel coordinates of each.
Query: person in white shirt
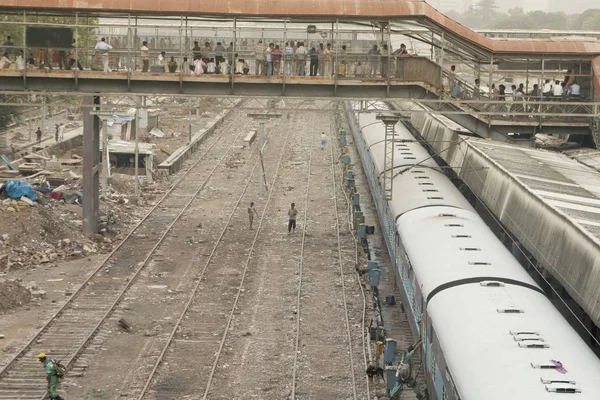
column 145, row 56
column 199, row 66
column 211, row 67
column 224, row 67
column 323, row 140
column 575, row 90
column 241, row 67
column 185, row 66
column 162, row 61
column 548, row 89
column 301, row 59
column 558, row 89
column 5, row 62
column 288, row 57
column 259, row 57
column 61, row 132
column 20, row 61
column 103, row 48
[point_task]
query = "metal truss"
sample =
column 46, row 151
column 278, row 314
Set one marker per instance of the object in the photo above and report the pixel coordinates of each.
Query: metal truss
column 484, row 109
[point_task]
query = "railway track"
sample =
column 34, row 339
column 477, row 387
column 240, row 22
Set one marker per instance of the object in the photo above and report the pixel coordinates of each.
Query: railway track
column 71, row 329
column 324, row 362
column 189, row 356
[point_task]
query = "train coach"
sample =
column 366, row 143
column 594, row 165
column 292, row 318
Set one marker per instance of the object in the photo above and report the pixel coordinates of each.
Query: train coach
column 488, row 331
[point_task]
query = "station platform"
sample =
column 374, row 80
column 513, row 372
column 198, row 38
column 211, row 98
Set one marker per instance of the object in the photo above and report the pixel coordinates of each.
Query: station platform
column 548, row 201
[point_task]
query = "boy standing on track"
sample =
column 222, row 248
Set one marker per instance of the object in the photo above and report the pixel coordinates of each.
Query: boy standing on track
column 292, row 213
column 251, row 212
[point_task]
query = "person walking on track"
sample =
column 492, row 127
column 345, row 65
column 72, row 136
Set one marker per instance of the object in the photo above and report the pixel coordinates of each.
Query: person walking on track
column 323, row 140
column 51, row 376
column 61, row 132
column 292, row 213
column 251, row 212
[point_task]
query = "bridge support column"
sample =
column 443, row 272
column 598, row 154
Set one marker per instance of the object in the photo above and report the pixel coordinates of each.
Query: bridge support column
column 91, row 178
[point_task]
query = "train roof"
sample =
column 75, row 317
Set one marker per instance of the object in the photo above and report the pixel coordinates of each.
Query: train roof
column 465, row 248
column 418, row 186
column 476, row 295
column 498, row 356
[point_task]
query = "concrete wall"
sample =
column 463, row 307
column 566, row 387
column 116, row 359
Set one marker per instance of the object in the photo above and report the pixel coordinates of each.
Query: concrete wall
column 175, row 160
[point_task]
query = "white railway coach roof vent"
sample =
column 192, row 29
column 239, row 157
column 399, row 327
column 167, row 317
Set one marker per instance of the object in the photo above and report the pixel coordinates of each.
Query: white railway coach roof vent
column 421, row 177
column 479, row 263
column 544, row 365
column 491, row 283
column 410, row 158
column 563, row 388
column 425, row 184
column 430, row 190
column 435, row 198
column 558, row 381
column 534, row 344
column 417, row 171
column 470, row 249
column 510, row 310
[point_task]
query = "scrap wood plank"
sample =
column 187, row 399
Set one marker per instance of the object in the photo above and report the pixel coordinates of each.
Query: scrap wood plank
column 42, row 172
column 7, row 161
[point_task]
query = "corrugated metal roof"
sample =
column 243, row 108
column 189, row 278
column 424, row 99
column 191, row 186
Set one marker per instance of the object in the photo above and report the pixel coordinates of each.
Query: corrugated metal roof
column 316, row 9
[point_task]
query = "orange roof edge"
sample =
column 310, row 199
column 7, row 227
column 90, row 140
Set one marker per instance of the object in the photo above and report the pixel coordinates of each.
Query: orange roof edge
column 343, row 9
column 596, row 67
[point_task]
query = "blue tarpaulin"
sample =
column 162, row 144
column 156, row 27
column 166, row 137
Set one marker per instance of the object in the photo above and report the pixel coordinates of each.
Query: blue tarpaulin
column 17, row 189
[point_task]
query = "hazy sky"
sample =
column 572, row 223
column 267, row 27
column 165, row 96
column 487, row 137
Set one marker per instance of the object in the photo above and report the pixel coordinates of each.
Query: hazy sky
column 570, row 6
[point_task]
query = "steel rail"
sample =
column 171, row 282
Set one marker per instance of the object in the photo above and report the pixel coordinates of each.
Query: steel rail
column 244, row 273
column 300, row 274
column 194, row 292
column 94, row 274
column 196, row 287
column 341, row 265
column 299, row 292
column 365, row 341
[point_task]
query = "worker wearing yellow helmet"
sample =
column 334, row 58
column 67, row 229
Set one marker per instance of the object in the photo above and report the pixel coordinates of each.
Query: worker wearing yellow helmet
column 51, row 376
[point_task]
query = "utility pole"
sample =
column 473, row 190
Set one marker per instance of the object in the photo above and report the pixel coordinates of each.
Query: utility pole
column 262, row 142
column 390, row 120
column 43, row 113
column 189, row 122
column 137, row 150
column 105, row 156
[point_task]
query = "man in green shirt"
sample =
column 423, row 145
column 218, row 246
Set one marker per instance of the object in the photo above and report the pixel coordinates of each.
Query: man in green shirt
column 51, row 376
column 404, row 375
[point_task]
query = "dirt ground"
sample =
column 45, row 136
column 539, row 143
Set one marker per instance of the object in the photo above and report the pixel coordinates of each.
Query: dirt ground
column 258, row 354
column 47, row 287
column 259, row 347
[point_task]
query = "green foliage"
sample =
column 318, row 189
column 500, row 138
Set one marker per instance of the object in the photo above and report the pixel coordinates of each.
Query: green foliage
column 12, row 25
column 484, row 15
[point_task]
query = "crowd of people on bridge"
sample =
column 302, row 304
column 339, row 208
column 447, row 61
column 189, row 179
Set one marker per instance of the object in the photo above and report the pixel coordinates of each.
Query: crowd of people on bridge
column 552, row 89
column 289, row 58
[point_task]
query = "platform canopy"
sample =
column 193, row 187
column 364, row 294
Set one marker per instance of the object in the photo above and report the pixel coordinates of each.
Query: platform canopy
column 372, row 10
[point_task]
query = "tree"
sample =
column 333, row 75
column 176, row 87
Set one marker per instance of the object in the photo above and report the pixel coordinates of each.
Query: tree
column 590, row 20
column 486, row 7
column 12, row 25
